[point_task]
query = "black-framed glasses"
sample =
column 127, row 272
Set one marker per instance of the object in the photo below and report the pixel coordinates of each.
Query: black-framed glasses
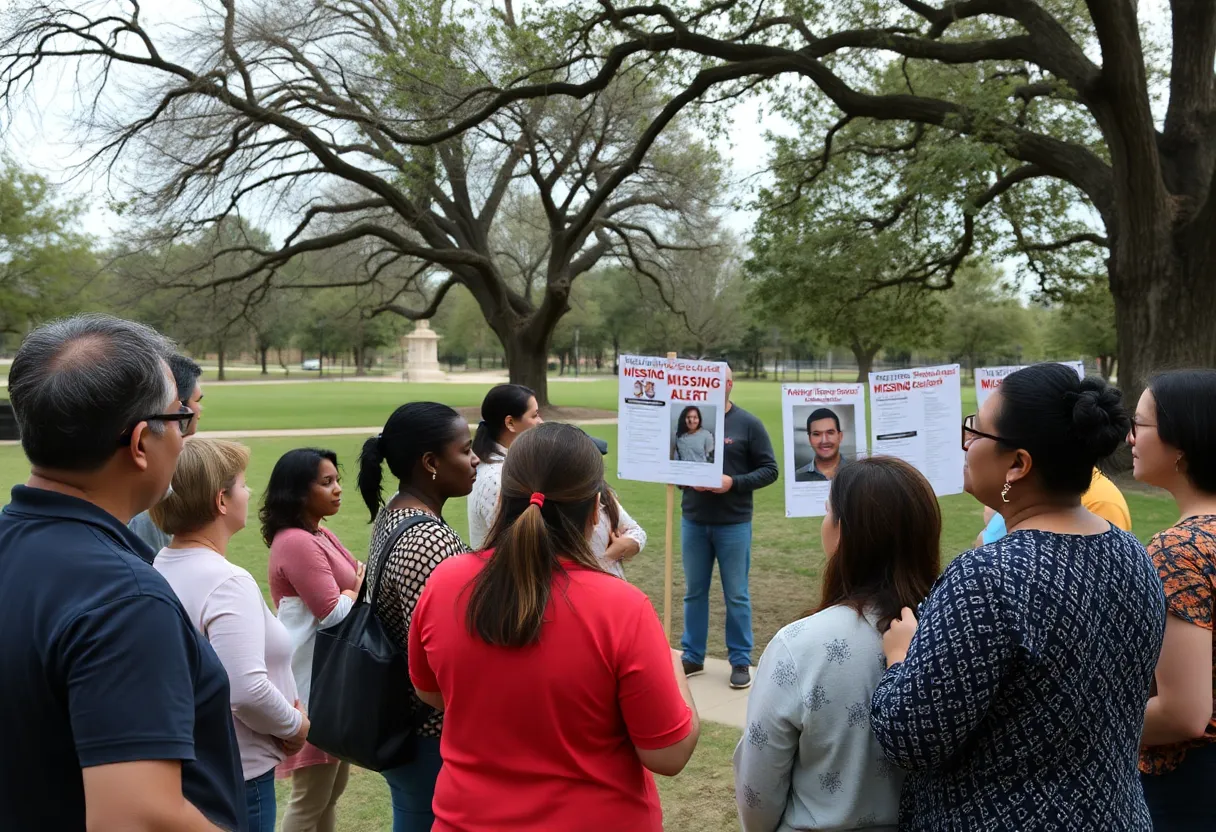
column 969, row 430
column 182, row 417
column 1137, row 425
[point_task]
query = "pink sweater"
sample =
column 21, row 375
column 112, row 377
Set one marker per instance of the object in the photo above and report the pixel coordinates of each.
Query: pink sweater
column 308, row 573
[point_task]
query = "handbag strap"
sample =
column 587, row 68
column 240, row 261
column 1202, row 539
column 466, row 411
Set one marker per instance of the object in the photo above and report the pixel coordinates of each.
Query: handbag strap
column 394, row 538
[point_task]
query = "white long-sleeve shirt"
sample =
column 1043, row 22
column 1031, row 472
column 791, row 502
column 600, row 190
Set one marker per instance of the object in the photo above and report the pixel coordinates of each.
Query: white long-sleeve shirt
column 225, row 604
column 600, row 537
column 483, row 500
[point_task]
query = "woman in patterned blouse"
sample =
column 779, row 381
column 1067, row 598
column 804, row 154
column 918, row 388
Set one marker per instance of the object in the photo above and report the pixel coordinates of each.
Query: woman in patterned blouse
column 808, row 759
column 506, row 412
column 428, row 450
column 1016, row 702
column 1174, row 447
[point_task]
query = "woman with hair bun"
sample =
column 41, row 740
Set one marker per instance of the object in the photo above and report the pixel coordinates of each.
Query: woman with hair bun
column 561, row 692
column 427, row 449
column 1173, row 441
column 506, row 412
column 1016, row 701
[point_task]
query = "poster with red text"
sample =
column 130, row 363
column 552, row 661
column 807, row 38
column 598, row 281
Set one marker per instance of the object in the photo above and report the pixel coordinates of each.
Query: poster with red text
column 917, row 415
column 988, row 379
column 670, row 420
column 824, row 427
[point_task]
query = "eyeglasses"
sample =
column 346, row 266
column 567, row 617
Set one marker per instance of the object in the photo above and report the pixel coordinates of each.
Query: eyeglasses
column 182, row 417
column 1137, row 425
column 969, row 430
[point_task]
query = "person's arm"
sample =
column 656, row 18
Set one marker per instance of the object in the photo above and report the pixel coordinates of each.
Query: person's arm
column 1182, row 707
column 140, row 796
column 307, row 569
column 629, row 540
column 236, row 628
column 926, row 707
column 483, row 505
column 761, row 463
column 765, row 755
column 129, row 668
column 421, row 675
column 654, row 696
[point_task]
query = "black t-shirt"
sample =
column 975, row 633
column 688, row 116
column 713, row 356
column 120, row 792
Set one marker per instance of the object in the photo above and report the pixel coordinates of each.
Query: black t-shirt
column 748, row 459
column 99, row 664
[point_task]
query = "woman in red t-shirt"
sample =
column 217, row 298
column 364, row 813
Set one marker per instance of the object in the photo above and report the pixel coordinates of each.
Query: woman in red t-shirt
column 558, row 687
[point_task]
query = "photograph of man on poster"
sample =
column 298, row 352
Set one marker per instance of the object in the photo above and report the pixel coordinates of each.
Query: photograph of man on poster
column 823, row 432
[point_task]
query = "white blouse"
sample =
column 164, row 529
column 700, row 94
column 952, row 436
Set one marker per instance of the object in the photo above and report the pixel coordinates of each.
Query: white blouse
column 483, row 500
column 599, row 539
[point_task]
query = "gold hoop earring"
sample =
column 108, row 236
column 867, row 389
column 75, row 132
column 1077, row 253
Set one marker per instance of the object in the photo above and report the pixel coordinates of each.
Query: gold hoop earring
column 1005, row 492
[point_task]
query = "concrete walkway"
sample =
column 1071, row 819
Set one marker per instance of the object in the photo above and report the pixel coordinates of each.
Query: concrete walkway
column 714, row 698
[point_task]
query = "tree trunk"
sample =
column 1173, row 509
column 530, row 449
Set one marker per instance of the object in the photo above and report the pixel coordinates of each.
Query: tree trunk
column 527, row 363
column 220, row 376
column 561, row 357
column 1165, row 294
column 1106, row 366
column 360, row 355
column 864, row 355
column 264, row 352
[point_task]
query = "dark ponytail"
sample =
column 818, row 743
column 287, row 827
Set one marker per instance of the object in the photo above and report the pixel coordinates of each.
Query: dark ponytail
column 563, row 467
column 505, row 400
column 610, row 506
column 414, row 429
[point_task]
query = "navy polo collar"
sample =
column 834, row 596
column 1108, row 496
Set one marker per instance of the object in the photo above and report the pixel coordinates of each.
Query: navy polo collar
column 38, row 502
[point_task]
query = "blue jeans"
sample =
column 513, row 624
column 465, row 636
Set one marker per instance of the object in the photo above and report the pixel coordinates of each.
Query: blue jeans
column 260, row 802
column 731, row 546
column 413, row 788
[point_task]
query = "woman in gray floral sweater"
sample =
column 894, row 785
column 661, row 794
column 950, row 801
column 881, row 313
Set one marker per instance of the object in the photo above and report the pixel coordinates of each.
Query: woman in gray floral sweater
column 808, row 759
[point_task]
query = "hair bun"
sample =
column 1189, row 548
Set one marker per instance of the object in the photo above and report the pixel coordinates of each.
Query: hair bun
column 1099, row 419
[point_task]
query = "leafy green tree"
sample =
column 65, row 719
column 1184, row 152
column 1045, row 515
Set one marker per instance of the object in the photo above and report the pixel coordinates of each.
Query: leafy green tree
column 984, row 321
column 45, row 262
column 1084, row 323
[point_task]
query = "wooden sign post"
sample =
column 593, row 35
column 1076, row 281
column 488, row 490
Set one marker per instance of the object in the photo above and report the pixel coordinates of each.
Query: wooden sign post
column 671, row 504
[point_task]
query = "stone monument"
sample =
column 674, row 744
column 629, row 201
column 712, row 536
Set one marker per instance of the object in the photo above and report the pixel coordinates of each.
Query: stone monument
column 421, row 349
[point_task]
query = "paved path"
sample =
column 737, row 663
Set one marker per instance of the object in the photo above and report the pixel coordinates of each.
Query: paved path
column 715, row 700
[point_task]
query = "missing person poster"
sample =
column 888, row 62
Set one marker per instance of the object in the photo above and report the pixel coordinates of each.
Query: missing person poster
column 670, row 420
column 917, row 415
column 988, row 379
column 825, row 430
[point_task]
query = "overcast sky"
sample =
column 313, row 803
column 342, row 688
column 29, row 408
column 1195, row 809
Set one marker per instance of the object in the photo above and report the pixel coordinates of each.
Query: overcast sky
column 39, row 135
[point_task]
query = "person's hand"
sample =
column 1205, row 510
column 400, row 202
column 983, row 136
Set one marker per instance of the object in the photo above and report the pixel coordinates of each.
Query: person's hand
column 360, row 571
column 620, row 547
column 295, row 743
column 898, row 637
column 727, row 482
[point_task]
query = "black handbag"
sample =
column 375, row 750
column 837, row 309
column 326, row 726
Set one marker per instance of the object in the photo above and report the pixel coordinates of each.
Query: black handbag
column 360, row 707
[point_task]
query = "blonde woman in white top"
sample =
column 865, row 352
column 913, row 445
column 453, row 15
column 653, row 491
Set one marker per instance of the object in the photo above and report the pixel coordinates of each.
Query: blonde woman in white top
column 208, row 505
column 506, row 412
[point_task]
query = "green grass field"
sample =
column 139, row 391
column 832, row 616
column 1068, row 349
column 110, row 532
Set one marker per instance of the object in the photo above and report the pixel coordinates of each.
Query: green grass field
column 786, row 560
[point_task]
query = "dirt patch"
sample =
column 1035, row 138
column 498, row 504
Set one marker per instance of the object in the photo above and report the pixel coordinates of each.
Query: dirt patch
column 553, row 414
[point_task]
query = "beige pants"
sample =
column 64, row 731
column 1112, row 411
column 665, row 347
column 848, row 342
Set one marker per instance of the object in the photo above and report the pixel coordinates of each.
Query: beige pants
column 314, row 798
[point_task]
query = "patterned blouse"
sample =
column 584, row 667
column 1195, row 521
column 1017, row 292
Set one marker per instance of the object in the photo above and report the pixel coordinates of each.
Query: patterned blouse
column 417, row 553
column 1185, row 556
column 1021, row 701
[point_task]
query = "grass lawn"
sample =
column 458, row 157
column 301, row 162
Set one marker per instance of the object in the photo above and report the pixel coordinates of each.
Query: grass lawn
column 786, row 560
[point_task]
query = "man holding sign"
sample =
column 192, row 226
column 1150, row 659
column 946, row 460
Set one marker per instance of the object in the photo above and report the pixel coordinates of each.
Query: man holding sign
column 717, row 525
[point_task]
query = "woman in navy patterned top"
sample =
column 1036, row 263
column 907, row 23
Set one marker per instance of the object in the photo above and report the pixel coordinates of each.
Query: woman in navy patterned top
column 1016, row 701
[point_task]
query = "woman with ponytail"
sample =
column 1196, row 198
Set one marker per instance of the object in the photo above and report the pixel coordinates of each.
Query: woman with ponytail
column 506, row 412
column 427, row 449
column 561, row 691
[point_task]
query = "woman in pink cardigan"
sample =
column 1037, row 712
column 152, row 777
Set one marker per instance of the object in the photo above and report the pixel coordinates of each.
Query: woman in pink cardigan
column 314, row 581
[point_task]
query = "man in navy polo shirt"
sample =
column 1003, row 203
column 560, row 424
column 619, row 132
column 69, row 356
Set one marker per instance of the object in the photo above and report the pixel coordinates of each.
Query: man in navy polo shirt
column 114, row 710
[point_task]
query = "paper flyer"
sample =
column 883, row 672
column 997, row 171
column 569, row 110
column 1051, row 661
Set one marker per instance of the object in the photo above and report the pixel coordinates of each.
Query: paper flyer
column 988, row 379
column 917, row 415
column 825, row 429
column 670, row 420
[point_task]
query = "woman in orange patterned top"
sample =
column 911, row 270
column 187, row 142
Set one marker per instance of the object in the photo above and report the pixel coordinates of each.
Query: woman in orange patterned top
column 1173, row 442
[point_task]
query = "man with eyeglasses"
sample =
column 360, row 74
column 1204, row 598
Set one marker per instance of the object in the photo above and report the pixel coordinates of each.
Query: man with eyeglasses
column 116, row 709
column 186, row 376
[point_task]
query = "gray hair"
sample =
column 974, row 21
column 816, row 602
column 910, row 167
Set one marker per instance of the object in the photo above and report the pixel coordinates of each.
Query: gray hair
column 79, row 384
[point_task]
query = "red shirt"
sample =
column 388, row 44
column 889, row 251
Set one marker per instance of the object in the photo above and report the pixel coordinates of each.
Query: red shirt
column 544, row 736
